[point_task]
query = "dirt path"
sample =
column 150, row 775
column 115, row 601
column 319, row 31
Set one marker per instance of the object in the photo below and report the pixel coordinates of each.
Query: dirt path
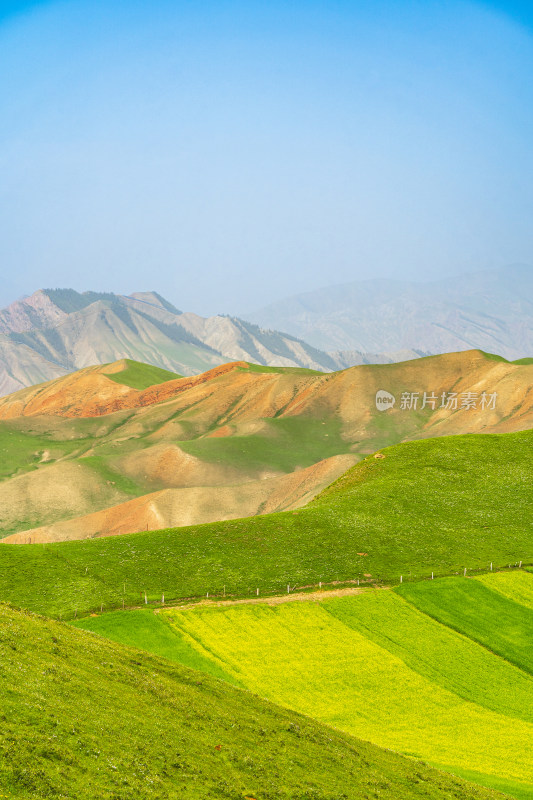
column 324, row 594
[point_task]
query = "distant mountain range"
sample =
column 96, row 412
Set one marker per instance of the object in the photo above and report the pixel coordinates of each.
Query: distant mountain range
column 492, row 311
column 56, row 331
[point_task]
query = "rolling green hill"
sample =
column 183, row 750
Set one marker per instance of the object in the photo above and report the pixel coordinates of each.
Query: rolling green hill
column 436, row 505
column 373, row 665
column 87, row 719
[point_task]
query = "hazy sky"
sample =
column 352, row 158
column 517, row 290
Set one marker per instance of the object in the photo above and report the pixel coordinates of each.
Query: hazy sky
column 228, row 154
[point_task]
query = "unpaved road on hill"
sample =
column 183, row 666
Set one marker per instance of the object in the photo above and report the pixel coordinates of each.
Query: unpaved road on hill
column 324, row 594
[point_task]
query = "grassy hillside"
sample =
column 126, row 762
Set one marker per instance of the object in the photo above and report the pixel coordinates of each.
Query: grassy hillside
column 285, row 444
column 283, row 370
column 141, row 376
column 434, row 505
column 87, row 719
column 372, row 665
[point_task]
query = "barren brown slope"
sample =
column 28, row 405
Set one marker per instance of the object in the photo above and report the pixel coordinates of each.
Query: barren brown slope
column 90, row 393
column 61, row 491
column 195, row 505
column 241, row 394
column 241, row 402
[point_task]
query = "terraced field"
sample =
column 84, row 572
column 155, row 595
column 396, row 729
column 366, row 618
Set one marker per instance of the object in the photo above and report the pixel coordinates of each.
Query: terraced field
column 379, row 666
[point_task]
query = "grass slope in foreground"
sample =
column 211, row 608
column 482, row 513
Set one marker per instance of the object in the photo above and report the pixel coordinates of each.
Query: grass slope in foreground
column 431, row 505
column 84, row 718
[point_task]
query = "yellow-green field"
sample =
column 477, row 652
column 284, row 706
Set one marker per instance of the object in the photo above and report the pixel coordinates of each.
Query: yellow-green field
column 375, row 666
column 517, row 586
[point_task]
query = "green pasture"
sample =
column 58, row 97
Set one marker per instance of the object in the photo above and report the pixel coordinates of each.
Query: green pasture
column 152, row 632
column 303, row 657
column 472, row 608
column 285, row 444
column 442, row 655
column 21, row 451
column 283, row 370
column 87, row 719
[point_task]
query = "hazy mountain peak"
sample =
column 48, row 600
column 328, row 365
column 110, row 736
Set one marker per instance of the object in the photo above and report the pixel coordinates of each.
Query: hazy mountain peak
column 491, row 310
column 30, row 312
column 155, row 299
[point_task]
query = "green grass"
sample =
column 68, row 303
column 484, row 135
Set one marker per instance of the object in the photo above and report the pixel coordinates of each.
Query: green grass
column 140, row 376
column 87, row 719
column 104, row 470
column 306, row 658
column 150, row 631
column 488, row 617
column 431, row 505
column 524, row 361
column 372, row 665
column 283, row 370
column 21, row 451
column 287, row 443
column 518, row 586
column 495, row 357
column 516, row 789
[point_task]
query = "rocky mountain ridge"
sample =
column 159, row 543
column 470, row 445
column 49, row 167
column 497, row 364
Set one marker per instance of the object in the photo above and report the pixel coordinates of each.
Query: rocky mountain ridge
column 54, row 332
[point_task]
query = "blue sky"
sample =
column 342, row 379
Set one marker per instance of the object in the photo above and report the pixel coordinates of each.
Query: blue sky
column 228, row 154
